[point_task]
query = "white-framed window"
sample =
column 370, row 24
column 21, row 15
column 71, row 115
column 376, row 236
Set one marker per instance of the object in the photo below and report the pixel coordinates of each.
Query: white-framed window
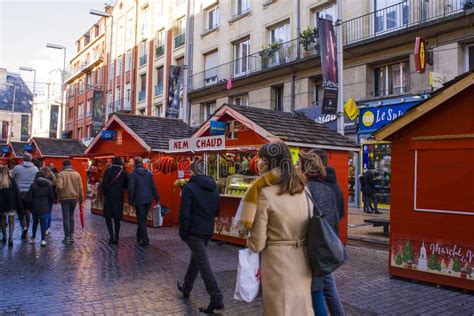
column 241, row 59
column 207, row 109
column 160, row 9
column 128, row 97
column 277, row 98
column 279, row 34
column 469, row 57
column 160, row 44
column 144, row 22
column 119, row 66
column 130, row 28
column 120, row 34
column 159, row 81
column 328, row 13
column 318, row 93
column 211, row 62
column 128, row 61
column 241, row 100
column 181, row 26
column 241, row 6
column 392, row 79
column 212, row 18
column 111, row 71
column 89, row 107
column 158, row 110
column 80, row 110
column 390, row 14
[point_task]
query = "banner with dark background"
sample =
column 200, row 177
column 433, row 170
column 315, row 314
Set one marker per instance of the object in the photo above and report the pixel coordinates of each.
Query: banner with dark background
column 327, row 42
column 53, row 121
column 98, row 112
column 175, row 85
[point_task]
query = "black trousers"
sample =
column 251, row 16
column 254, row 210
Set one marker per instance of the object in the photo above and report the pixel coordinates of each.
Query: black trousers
column 24, row 216
column 142, row 214
column 199, row 263
column 110, row 227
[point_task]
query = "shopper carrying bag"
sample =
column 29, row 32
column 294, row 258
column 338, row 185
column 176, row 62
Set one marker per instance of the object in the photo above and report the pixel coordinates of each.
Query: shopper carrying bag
column 247, row 287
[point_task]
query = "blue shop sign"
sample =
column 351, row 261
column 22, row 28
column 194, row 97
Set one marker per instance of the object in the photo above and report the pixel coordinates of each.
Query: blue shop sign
column 108, row 135
column 5, row 149
column 374, row 118
column 28, row 147
column 218, row 128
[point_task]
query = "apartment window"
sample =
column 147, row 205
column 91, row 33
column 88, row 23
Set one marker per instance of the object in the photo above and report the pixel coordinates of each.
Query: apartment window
column 277, row 98
column 144, row 20
column 70, row 113
column 111, row 71
column 130, row 26
column 143, row 56
column 158, row 111
column 97, row 30
column 119, row 66
column 79, row 133
column 241, row 100
column 99, row 76
column 181, row 33
column 241, row 59
column 390, row 14
column 318, row 93
column 128, row 61
column 207, row 109
column 89, row 83
column 279, row 34
column 180, row 62
column 470, row 58
column 159, row 81
column 328, row 13
column 392, row 79
column 87, row 39
column 120, row 34
column 80, row 110
column 180, row 2
column 142, row 92
column 159, row 5
column 160, row 44
column 142, row 112
column 212, row 18
column 241, row 6
column 211, row 61
column 127, row 100
column 89, row 107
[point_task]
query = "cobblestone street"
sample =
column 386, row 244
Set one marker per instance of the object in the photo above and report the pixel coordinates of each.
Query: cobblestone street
column 91, row 277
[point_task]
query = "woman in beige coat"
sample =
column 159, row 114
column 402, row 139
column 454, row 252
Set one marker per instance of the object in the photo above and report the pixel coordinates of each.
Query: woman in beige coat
column 278, row 233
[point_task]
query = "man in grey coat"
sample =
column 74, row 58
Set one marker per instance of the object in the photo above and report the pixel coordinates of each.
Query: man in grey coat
column 24, row 175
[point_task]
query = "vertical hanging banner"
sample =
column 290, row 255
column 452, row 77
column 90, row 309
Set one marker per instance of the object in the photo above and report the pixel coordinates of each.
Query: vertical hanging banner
column 327, row 41
column 25, row 127
column 4, row 131
column 53, row 121
column 98, row 112
column 174, row 88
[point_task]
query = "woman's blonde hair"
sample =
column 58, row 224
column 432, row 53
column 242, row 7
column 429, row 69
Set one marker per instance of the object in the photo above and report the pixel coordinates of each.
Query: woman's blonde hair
column 48, row 173
column 312, row 165
column 5, row 181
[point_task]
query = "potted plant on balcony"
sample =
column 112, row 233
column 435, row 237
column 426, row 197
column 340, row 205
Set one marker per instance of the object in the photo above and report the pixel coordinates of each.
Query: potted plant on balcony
column 159, row 51
column 308, row 40
column 268, row 53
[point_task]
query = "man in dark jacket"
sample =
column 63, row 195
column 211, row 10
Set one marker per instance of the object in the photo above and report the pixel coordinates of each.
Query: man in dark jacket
column 331, row 294
column 369, row 193
column 141, row 194
column 113, row 185
column 200, row 205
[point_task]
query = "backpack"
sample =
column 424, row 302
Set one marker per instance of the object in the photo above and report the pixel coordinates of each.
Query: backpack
column 326, row 252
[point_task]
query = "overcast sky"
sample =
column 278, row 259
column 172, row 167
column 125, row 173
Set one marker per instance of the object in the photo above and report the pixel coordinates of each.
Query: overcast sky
column 27, row 25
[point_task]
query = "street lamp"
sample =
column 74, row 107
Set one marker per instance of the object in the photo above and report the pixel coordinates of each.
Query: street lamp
column 106, row 15
column 63, row 88
column 34, row 95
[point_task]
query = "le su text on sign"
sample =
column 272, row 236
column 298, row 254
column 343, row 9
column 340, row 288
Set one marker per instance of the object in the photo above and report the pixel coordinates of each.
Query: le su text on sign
column 197, row 144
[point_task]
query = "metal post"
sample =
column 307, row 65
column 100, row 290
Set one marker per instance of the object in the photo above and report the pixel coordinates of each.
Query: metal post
column 13, row 111
column 63, row 96
column 340, row 71
column 186, row 111
column 33, row 103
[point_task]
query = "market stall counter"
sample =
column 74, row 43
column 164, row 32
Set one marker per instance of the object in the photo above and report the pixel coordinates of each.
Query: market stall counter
column 128, row 136
column 432, row 216
column 229, row 141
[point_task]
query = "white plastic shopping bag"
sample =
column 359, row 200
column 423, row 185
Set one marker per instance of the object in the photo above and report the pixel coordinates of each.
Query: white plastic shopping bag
column 247, row 286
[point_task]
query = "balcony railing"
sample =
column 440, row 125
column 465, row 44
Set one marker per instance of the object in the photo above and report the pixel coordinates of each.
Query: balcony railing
column 142, row 60
column 159, row 51
column 277, row 55
column 179, row 40
column 141, row 95
column 158, row 90
column 400, row 16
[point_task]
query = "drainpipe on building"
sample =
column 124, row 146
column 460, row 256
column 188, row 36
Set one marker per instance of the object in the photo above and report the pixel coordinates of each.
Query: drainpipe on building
column 186, row 111
column 298, row 52
column 293, row 89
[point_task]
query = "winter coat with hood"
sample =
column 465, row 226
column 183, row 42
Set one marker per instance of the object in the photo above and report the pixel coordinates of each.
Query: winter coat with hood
column 200, row 205
column 141, row 187
column 10, row 198
column 331, row 181
column 24, row 175
column 40, row 196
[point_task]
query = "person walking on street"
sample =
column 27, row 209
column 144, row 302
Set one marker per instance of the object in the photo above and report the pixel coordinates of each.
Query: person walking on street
column 52, row 178
column 10, row 202
column 114, row 184
column 370, row 191
column 142, row 193
column 40, row 197
column 24, row 175
column 277, row 211
column 70, row 191
column 322, row 288
column 200, row 205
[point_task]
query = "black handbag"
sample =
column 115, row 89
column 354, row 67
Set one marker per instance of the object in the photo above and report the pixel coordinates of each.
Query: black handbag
column 326, row 252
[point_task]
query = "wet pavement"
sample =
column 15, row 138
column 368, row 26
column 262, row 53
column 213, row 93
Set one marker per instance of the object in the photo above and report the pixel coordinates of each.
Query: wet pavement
column 91, row 277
